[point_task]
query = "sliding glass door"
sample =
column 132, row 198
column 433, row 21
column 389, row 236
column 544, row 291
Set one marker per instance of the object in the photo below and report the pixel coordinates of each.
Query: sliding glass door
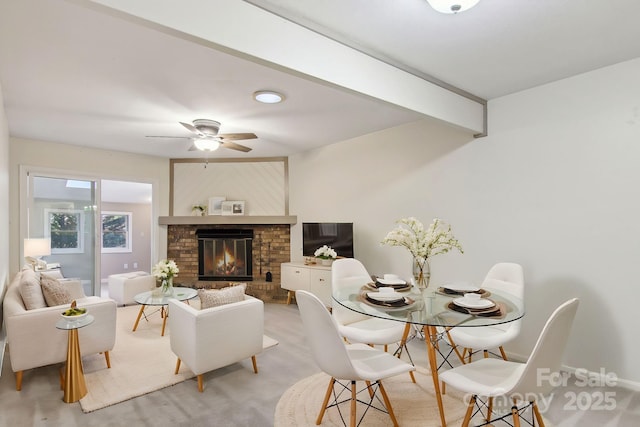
column 65, row 211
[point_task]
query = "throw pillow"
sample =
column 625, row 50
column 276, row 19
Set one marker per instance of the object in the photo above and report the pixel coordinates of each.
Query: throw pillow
column 30, row 290
column 53, row 274
column 215, row 297
column 55, row 292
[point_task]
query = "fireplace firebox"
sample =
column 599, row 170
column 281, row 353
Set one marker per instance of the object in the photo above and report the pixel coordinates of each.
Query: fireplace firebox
column 224, row 254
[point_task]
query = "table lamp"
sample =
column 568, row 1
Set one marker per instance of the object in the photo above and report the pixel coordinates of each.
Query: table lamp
column 34, row 249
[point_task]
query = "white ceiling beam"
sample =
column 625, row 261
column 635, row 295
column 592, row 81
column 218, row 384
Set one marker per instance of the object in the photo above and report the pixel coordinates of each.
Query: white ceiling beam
column 245, row 30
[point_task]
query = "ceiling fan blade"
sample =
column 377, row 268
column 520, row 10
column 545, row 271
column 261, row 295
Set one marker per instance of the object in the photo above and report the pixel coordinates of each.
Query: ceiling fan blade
column 234, row 146
column 191, row 128
column 236, row 136
column 193, row 148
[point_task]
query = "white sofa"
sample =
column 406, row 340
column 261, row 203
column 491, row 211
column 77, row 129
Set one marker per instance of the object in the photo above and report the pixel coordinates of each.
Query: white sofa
column 34, row 340
column 215, row 337
column 124, row 286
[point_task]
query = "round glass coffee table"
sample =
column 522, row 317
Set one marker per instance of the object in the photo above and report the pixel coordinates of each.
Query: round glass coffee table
column 150, row 298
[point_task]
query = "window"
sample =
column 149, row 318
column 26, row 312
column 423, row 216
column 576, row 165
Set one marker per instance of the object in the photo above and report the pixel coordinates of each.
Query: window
column 64, row 227
column 116, row 232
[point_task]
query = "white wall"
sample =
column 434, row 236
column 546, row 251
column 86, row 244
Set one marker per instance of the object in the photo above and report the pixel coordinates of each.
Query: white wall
column 4, row 203
column 93, row 163
column 553, row 187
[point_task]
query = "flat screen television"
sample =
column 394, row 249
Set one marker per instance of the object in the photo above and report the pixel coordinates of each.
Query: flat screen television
column 338, row 235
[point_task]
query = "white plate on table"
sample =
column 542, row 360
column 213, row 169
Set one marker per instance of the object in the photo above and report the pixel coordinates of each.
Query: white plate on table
column 391, row 281
column 480, row 303
column 461, row 287
column 385, row 296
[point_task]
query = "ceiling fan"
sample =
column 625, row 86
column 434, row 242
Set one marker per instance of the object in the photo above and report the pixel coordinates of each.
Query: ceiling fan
column 207, row 138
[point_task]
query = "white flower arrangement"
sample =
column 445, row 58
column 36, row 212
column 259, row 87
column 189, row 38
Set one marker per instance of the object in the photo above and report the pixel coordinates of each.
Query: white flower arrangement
column 421, row 243
column 165, row 269
column 325, row 252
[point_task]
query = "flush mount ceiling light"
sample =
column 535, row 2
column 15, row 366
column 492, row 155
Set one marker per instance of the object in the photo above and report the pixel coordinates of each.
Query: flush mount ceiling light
column 452, row 6
column 205, row 144
column 268, row 97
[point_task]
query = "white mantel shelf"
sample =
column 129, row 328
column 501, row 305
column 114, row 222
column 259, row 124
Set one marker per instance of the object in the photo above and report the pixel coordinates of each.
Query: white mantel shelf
column 228, row 219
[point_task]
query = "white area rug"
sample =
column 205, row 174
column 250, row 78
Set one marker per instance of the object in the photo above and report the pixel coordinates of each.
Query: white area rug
column 141, row 362
column 413, row 404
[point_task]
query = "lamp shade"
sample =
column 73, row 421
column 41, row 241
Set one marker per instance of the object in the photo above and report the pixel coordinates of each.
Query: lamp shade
column 37, row 247
column 205, row 144
column 452, row 6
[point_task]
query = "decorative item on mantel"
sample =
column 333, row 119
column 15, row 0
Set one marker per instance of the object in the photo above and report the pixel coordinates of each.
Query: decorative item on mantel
column 199, row 210
column 165, row 271
column 326, row 254
column 422, row 244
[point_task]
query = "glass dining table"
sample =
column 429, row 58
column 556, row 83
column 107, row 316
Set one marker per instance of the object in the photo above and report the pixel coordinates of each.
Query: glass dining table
column 433, row 312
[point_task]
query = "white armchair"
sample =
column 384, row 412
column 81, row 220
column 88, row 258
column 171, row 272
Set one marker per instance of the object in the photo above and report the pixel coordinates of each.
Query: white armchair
column 215, row 337
column 34, row 340
column 123, row 287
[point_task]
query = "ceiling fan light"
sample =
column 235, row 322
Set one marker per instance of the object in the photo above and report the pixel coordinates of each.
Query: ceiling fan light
column 204, row 144
column 452, row 6
column 268, row 97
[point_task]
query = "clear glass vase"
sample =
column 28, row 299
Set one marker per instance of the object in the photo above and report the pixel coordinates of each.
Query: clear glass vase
column 167, row 286
column 421, row 272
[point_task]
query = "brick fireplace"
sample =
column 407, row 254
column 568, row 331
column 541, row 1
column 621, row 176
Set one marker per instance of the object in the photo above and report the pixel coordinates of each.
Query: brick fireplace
column 270, row 247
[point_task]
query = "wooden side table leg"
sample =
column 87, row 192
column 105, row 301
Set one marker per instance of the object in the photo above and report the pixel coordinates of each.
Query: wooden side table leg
column 74, row 385
column 135, row 325
column 289, row 297
column 164, row 320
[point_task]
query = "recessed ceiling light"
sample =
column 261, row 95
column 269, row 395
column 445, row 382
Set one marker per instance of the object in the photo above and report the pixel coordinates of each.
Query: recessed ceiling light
column 268, row 97
column 452, row 6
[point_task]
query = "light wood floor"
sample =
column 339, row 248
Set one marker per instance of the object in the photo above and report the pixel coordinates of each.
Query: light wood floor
column 235, row 396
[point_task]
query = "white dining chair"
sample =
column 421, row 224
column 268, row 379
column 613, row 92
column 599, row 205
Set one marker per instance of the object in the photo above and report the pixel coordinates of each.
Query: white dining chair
column 505, row 277
column 358, row 327
column 517, row 382
column 344, row 361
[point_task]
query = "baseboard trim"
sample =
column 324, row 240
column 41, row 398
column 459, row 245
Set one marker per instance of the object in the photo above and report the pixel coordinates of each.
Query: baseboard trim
column 582, row 373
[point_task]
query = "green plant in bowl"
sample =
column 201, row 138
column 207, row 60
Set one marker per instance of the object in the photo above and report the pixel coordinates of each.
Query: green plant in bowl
column 74, row 313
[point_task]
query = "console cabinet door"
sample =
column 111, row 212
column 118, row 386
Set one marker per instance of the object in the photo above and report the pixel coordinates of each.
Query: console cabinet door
column 294, row 278
column 320, row 285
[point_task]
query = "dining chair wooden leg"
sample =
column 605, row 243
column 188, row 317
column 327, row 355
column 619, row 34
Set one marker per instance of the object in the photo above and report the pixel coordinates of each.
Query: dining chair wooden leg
column 502, row 353
column 325, row 402
column 486, row 354
column 369, row 388
column 177, row 366
column 200, row 383
column 386, row 348
column 467, row 415
column 352, row 417
column 454, row 346
column 470, row 353
column 536, row 412
column 387, row 403
column 489, row 409
column 255, row 364
column 107, row 359
column 516, row 416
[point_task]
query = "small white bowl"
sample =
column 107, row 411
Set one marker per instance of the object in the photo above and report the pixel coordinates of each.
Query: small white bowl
column 472, row 297
column 75, row 317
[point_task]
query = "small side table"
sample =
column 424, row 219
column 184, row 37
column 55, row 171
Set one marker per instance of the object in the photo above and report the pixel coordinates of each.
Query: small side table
column 149, row 298
column 73, row 383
